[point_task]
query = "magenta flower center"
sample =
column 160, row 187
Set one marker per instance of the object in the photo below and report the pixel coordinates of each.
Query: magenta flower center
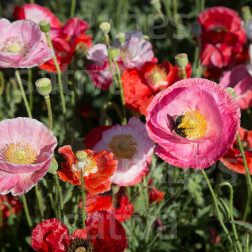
column 192, row 125
column 20, row 153
column 123, row 146
column 15, row 45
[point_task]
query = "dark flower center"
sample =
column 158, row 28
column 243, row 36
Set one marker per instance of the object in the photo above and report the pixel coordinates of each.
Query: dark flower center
column 80, row 245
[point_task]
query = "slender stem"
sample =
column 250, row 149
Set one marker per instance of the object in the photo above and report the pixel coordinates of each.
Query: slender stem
column 217, row 208
column 245, row 163
column 27, row 214
column 128, row 192
column 1, row 83
column 23, row 92
column 51, row 196
column 49, row 108
column 83, row 207
column 73, row 6
column 59, row 75
column 121, row 91
column 146, row 192
column 39, row 199
column 30, row 90
column 61, row 205
column 32, row 1
column 202, row 5
column 248, row 179
column 175, row 172
column 247, row 242
column 231, row 213
column 184, row 73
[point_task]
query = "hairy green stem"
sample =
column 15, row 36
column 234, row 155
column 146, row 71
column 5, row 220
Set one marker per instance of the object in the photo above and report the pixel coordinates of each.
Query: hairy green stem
column 27, row 214
column 83, row 207
column 248, row 178
column 1, row 83
column 49, row 108
column 61, row 205
column 124, row 121
column 23, row 93
column 30, row 90
column 39, row 199
column 59, row 76
column 73, row 6
column 217, row 208
column 50, row 194
column 237, row 242
column 146, row 192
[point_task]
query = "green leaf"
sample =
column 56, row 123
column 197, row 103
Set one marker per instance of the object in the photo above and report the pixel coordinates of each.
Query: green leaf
column 248, row 226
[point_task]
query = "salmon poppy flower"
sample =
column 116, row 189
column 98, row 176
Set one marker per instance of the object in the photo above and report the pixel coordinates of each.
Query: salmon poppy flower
column 65, row 38
column 14, row 202
column 194, row 122
column 21, row 45
column 233, row 158
column 26, row 152
column 141, row 85
column 131, row 146
column 222, row 36
column 97, row 167
column 102, row 233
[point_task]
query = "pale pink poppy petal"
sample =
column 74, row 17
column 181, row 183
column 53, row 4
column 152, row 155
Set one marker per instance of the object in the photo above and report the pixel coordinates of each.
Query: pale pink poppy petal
column 7, row 182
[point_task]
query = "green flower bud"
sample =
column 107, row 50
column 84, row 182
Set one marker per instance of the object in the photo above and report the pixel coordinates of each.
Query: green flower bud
column 121, row 38
column 45, row 25
column 114, row 52
column 54, row 166
column 246, row 14
column 43, row 86
column 105, row 27
column 81, row 155
column 181, row 60
column 156, row 4
column 231, row 91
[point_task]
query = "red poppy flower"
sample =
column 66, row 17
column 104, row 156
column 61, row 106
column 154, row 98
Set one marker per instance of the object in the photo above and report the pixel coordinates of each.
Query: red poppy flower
column 233, row 158
column 140, row 86
column 105, row 232
column 97, row 167
column 222, row 36
column 155, row 195
column 102, row 233
column 65, row 38
column 122, row 211
column 14, row 202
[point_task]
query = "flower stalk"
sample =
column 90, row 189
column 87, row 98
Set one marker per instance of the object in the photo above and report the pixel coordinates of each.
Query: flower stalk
column 83, row 207
column 27, row 214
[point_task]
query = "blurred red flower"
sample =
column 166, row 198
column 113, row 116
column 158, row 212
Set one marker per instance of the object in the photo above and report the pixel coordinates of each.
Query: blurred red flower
column 102, row 233
column 12, row 201
column 98, row 167
column 122, row 210
column 233, row 158
column 140, row 86
column 65, row 38
column 222, row 36
column 155, row 195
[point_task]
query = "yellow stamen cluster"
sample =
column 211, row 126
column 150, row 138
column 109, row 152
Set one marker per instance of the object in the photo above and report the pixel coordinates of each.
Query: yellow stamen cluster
column 14, row 48
column 193, row 125
column 123, row 146
column 20, row 153
column 156, row 75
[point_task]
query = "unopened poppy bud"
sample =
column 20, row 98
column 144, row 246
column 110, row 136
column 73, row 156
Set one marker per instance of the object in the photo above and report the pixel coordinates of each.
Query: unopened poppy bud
column 246, row 14
column 81, row 155
column 43, row 86
column 115, row 189
column 121, row 38
column 54, row 166
column 105, row 27
column 196, row 29
column 181, row 60
column 231, row 91
column 45, row 25
column 114, row 52
column 156, row 4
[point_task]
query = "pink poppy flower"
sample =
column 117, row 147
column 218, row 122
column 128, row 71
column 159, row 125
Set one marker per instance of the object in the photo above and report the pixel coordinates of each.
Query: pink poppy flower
column 26, row 152
column 222, row 36
column 241, row 81
column 134, row 54
column 131, row 146
column 65, row 38
column 194, row 122
column 21, row 45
